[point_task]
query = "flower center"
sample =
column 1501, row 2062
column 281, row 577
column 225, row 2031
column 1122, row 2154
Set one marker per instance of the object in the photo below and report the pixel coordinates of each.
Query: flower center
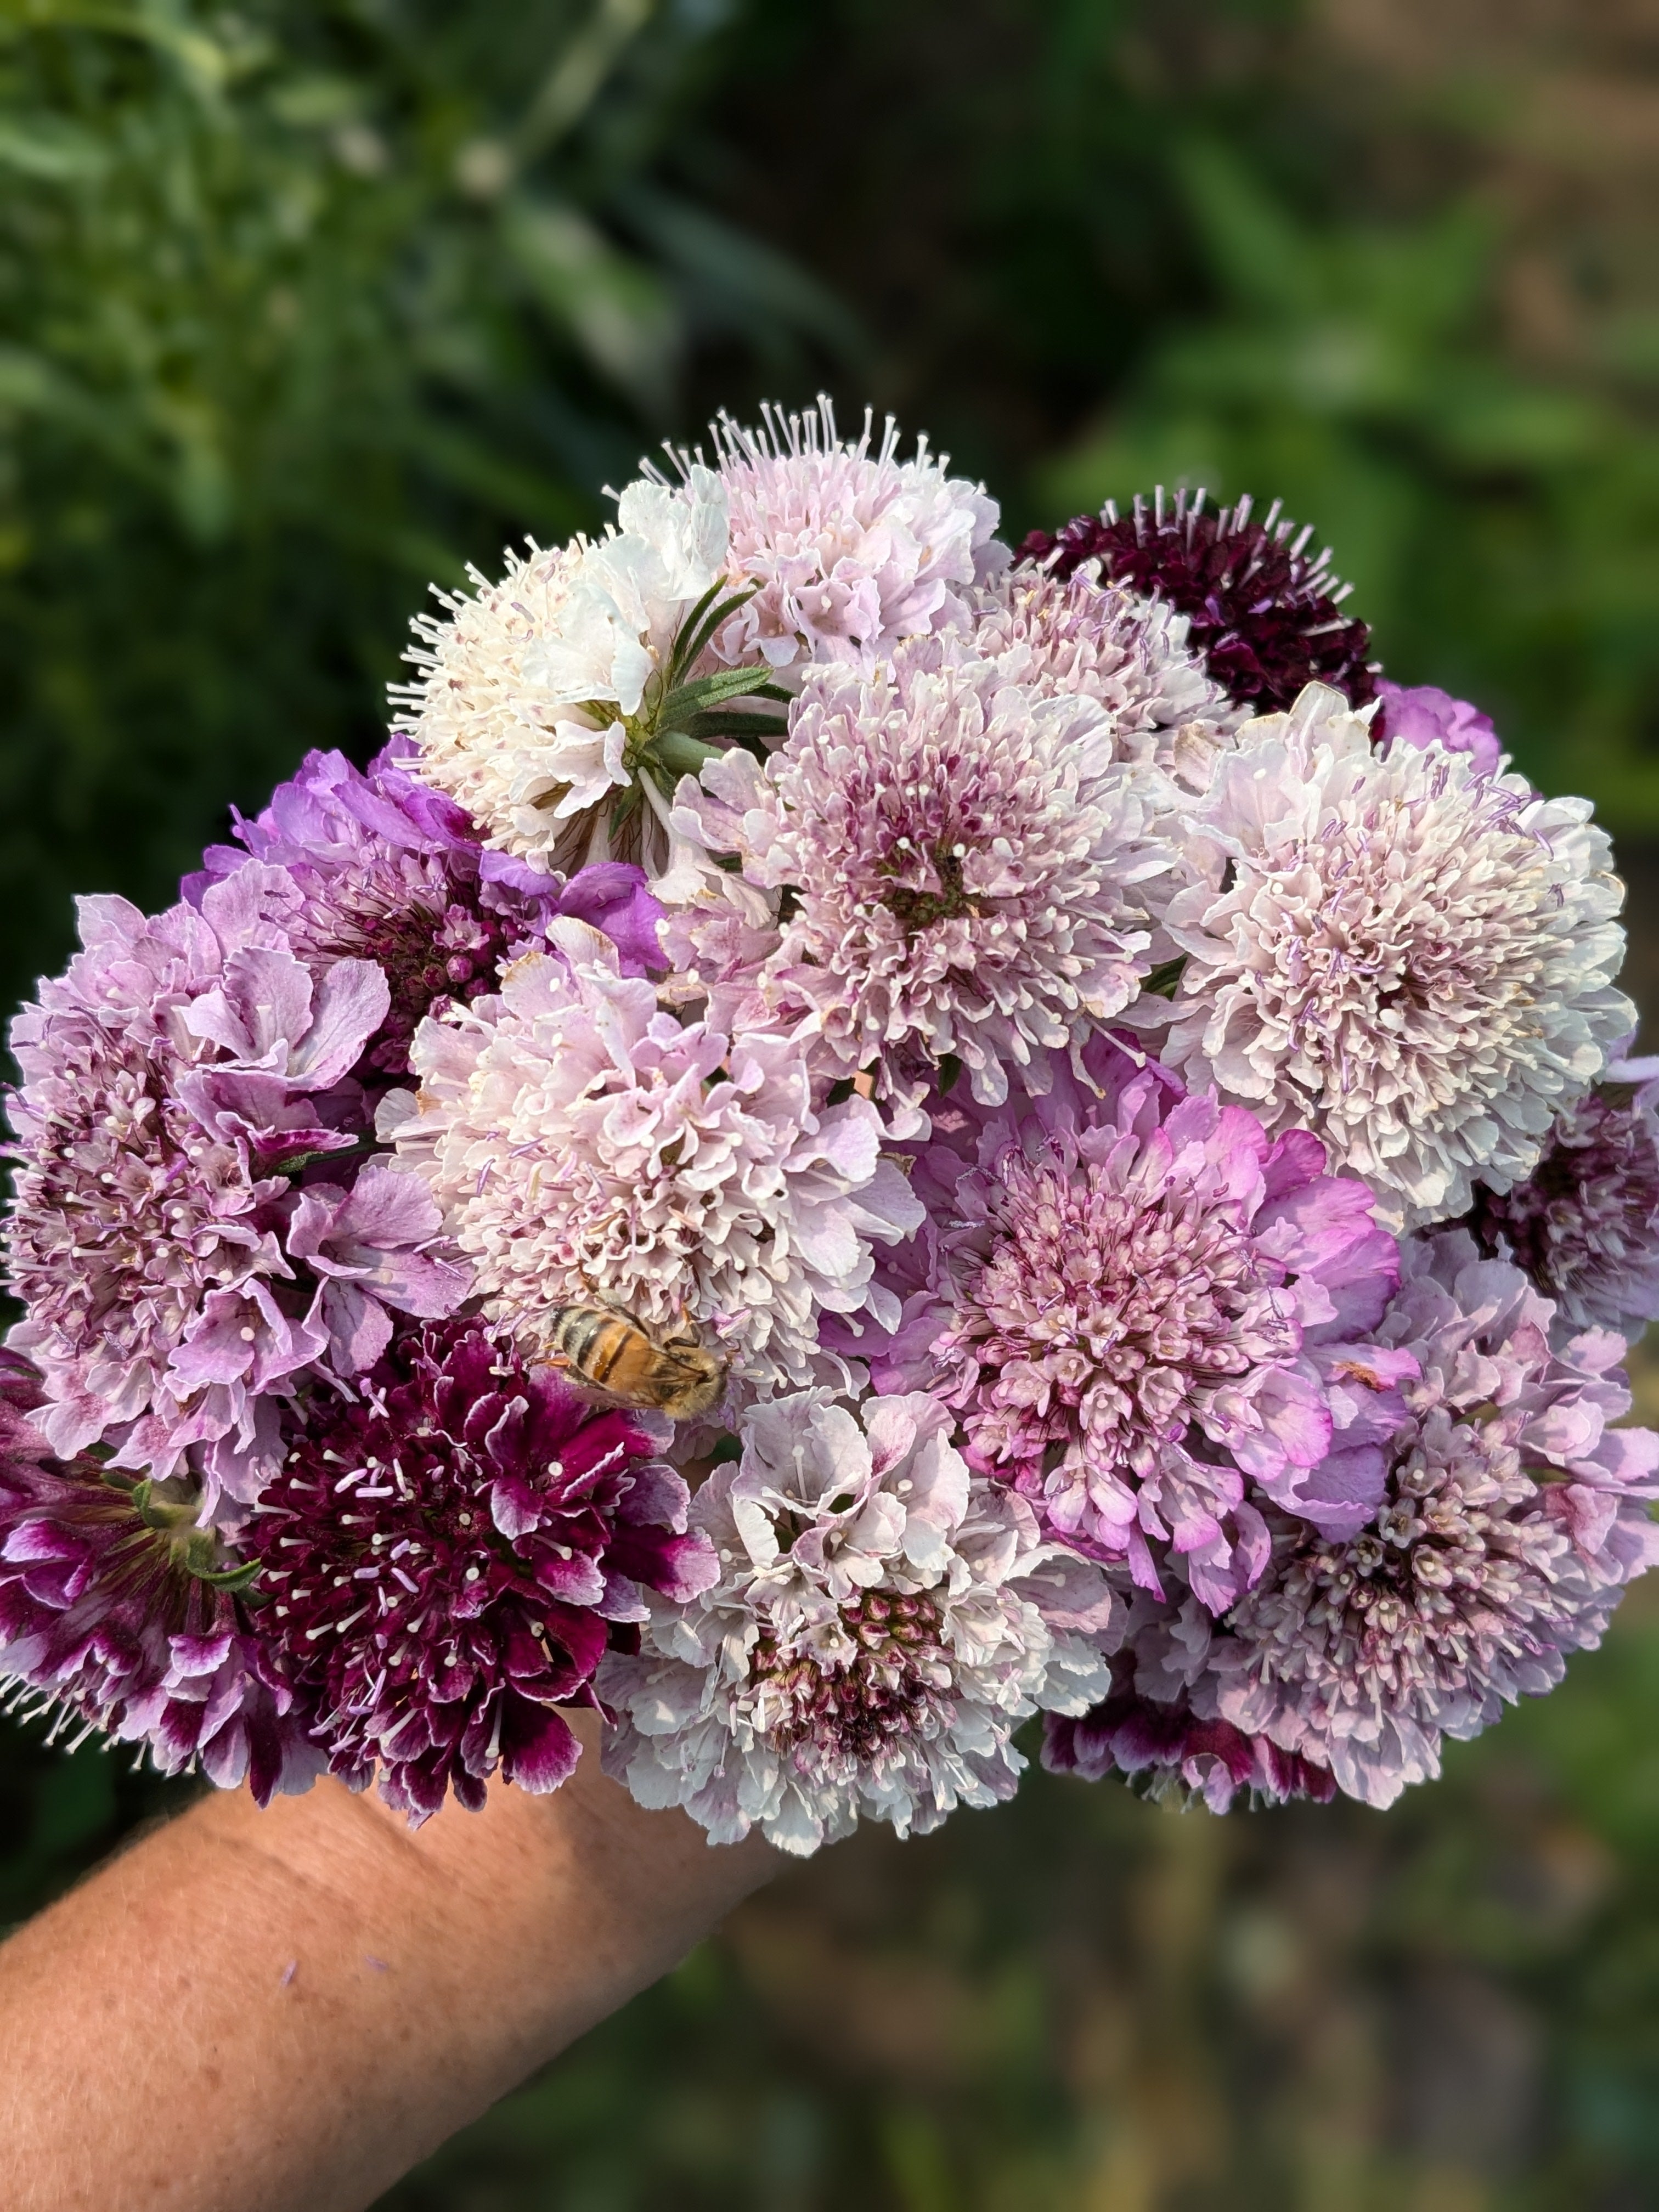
column 835, row 1709
column 917, row 907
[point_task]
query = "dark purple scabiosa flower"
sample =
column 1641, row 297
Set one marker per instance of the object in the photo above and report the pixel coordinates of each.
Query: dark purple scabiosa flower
column 1584, row 1225
column 1267, row 616
column 443, row 1557
column 117, row 1609
column 1142, row 1308
column 391, row 870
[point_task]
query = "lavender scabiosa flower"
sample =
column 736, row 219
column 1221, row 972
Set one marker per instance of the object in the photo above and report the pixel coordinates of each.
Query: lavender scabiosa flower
column 443, row 1556
column 1149, row 1317
column 1132, row 656
column 1514, row 1516
column 537, row 705
column 1584, row 1225
column 178, row 1062
column 972, row 875
column 1411, row 957
column 385, row 869
column 1266, row 618
column 880, row 1623
column 846, row 549
column 116, row 1609
column 1421, row 714
column 582, row 1142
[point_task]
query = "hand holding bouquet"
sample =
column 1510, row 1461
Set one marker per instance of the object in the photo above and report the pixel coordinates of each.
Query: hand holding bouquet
column 847, row 1140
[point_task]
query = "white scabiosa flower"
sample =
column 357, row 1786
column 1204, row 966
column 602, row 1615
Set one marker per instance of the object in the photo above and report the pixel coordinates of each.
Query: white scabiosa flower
column 1407, row 955
column 584, row 1142
column 882, row 1623
column 538, row 701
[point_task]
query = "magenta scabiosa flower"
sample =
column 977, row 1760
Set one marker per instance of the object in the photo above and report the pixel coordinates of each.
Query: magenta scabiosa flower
column 880, row 1625
column 443, row 1555
column 1148, row 1316
column 1409, row 957
column 1421, row 714
column 969, row 874
column 116, row 1609
column 1266, row 617
column 1513, row 1517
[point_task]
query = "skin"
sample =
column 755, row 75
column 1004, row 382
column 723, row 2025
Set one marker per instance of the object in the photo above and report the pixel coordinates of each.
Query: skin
column 284, row 2011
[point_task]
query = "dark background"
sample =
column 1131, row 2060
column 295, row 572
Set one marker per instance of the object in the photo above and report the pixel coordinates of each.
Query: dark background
column 304, row 304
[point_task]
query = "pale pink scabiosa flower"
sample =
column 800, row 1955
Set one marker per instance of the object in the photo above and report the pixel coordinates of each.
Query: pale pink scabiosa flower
column 1130, row 655
column 1145, row 1312
column 881, row 1624
column 443, row 1555
column 583, row 1142
column 116, row 1607
column 1514, row 1516
column 1409, row 957
column 848, row 548
column 536, row 705
column 969, row 874
column 1584, row 1225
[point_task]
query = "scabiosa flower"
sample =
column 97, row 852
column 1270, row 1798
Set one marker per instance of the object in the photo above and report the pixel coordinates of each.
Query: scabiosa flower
column 1422, row 714
column 880, row 1623
column 971, row 875
column 1131, row 655
column 582, row 1141
column 537, row 701
column 1513, row 1518
column 1411, row 957
column 1584, row 1225
column 848, row 549
column 1266, row 618
column 178, row 1062
column 441, row 1558
column 1138, row 1304
column 116, row 1607
column 384, row 869
column 1166, row 1751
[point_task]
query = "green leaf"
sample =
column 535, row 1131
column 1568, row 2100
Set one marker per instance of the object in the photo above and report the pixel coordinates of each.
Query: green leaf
column 1165, row 979
column 737, row 724
column 950, row 1073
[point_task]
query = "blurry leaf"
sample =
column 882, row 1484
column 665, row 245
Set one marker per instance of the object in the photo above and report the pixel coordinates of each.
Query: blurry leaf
column 617, row 308
column 45, row 146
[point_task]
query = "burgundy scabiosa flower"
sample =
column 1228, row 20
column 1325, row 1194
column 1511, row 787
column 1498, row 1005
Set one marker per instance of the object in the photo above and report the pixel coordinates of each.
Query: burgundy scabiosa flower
column 1513, row 1517
column 1140, row 1305
column 116, row 1607
column 442, row 1557
column 1267, row 616
column 1584, row 1224
column 1422, row 714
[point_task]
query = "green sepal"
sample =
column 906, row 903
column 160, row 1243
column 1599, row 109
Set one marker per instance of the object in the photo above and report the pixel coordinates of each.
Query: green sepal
column 681, row 754
column 237, row 1580
column 714, row 691
column 1165, row 979
column 700, row 625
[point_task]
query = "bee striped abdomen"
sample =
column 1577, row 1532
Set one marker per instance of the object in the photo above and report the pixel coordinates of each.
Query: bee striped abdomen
column 611, row 1352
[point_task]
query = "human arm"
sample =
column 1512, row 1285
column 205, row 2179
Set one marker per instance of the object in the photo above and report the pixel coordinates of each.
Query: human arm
column 283, row 2011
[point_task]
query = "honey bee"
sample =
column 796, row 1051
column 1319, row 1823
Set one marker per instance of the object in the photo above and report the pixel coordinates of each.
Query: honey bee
column 609, row 1351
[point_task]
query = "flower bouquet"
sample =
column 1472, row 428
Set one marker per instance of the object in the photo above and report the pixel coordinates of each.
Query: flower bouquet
column 848, row 1139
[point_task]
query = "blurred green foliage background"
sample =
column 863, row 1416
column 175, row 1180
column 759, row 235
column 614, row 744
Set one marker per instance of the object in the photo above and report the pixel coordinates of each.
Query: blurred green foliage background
column 306, row 303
